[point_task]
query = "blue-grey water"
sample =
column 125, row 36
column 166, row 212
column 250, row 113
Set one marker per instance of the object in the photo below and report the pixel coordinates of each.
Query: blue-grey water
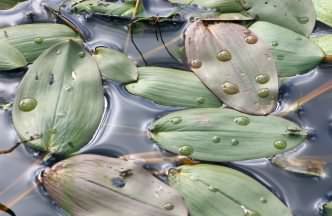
column 127, row 117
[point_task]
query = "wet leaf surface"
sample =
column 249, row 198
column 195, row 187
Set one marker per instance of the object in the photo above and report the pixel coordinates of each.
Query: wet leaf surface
column 12, row 58
column 324, row 11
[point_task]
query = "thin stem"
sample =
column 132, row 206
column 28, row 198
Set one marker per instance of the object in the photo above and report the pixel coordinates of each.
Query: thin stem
column 16, row 145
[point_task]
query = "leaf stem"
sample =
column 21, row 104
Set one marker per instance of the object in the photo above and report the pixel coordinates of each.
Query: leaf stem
column 16, row 145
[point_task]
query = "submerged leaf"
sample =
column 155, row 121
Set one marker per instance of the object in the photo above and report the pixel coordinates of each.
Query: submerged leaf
column 324, row 42
column 33, row 39
column 292, row 52
column 217, row 134
column 88, row 185
column 172, row 87
column 60, row 100
column 10, row 57
column 115, row 65
column 212, row 190
column 298, row 16
column 234, row 64
column 324, row 11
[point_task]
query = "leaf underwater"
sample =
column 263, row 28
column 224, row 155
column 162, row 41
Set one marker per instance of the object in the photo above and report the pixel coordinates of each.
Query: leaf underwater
column 234, row 64
column 292, row 52
column 60, row 99
column 12, row 58
column 7, row 4
column 32, row 39
column 212, row 190
column 88, row 185
column 216, row 134
column 172, row 87
column 324, row 11
column 115, row 65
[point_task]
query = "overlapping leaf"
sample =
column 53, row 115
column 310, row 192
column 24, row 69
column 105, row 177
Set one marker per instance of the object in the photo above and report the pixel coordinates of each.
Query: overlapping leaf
column 215, row 134
column 10, row 57
column 222, row 6
column 212, row 190
column 88, row 185
column 292, row 52
column 32, row 39
column 60, row 100
column 234, row 64
column 115, row 65
column 172, row 87
column 325, row 43
column 324, row 11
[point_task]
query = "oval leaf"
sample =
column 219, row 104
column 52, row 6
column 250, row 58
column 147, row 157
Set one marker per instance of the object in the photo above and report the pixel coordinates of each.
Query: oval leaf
column 298, row 16
column 33, row 39
column 324, row 11
column 215, row 134
column 212, row 190
column 292, row 52
column 88, row 185
column 11, row 58
column 230, row 60
column 172, row 87
column 115, row 65
column 60, row 100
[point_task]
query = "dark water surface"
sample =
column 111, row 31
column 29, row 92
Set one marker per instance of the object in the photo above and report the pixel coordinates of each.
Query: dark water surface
column 127, row 117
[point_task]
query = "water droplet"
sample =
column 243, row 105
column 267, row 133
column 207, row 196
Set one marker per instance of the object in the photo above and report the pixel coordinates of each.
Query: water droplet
column 176, row 120
column 212, row 189
column 51, row 79
column 68, row 88
column 262, row 78
column 280, row 57
column 263, row 200
column 263, row 93
column 280, row 144
column 249, row 212
column 118, row 182
column 303, row 20
column 200, row 100
column 27, row 104
column 275, row 43
column 196, row 63
column 39, row 40
column 230, row 88
column 81, row 54
column 224, row 56
column 251, row 39
column 168, row 206
column 186, row 150
column 242, row 120
column 216, row 139
column 58, row 52
column 235, row 142
column 73, row 75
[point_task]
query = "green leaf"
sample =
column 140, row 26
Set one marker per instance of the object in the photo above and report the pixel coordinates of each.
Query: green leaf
column 327, row 209
column 215, row 134
column 222, row 6
column 298, row 16
column 324, row 42
column 88, row 185
column 234, row 64
column 60, row 100
column 33, row 39
column 212, row 190
column 7, row 4
column 324, row 11
column 172, row 87
column 10, row 57
column 115, row 65
column 292, row 52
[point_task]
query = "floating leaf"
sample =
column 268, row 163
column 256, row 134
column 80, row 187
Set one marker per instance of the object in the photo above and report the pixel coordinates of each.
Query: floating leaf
column 300, row 165
column 60, row 99
column 215, row 134
column 222, row 6
column 212, row 190
column 234, row 17
column 324, row 11
column 88, row 185
column 234, row 64
column 327, row 209
column 6, row 4
column 292, row 52
column 11, row 58
column 172, row 87
column 115, row 65
column 33, row 39
column 298, row 16
column 324, row 42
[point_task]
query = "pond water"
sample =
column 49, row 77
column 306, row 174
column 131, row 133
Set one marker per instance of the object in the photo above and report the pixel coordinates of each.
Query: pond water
column 127, row 117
